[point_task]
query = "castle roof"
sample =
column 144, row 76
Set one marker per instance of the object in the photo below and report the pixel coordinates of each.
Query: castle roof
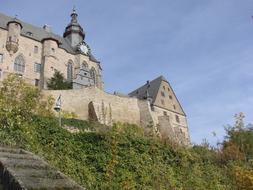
column 151, row 90
column 152, row 87
column 38, row 34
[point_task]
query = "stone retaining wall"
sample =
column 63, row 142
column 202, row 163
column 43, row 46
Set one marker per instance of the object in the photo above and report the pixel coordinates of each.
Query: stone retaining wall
column 21, row 170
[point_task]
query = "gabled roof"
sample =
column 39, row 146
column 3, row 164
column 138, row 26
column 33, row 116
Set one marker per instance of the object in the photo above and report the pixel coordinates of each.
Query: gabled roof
column 153, row 90
column 152, row 87
column 38, row 34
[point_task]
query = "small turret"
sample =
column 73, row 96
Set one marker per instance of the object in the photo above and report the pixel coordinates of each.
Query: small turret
column 74, row 32
column 14, row 30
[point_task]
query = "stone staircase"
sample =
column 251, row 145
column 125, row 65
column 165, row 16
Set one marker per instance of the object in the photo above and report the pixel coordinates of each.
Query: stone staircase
column 21, row 170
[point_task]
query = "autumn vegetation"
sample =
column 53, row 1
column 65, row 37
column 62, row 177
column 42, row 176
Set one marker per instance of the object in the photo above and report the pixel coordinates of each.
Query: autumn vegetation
column 122, row 156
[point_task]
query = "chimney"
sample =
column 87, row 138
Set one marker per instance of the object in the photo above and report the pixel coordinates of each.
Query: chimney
column 47, row 28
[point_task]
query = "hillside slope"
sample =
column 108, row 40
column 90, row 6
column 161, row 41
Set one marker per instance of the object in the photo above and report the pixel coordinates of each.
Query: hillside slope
column 121, row 157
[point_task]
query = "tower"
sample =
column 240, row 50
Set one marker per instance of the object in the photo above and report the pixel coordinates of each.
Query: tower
column 14, row 28
column 74, row 32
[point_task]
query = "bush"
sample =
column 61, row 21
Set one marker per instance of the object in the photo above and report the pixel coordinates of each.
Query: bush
column 57, row 82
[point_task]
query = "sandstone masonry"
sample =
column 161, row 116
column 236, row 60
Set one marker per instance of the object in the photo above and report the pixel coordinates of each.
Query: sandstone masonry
column 35, row 53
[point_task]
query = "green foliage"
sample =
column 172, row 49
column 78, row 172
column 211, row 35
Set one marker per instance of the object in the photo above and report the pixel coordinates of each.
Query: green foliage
column 121, row 157
column 241, row 138
column 57, row 82
column 68, row 115
column 19, row 101
column 243, row 177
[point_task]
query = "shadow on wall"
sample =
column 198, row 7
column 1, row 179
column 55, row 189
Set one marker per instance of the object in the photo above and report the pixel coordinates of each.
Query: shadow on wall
column 101, row 113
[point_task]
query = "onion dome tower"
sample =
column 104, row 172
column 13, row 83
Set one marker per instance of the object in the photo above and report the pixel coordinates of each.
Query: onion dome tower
column 74, row 32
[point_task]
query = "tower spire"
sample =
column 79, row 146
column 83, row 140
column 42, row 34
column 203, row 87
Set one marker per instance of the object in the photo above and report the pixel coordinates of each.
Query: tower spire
column 74, row 32
column 74, row 15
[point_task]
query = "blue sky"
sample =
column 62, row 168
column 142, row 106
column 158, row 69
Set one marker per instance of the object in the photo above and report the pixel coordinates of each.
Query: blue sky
column 204, row 48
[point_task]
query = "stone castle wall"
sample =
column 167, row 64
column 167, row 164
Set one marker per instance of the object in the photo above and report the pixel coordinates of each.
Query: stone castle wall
column 108, row 108
column 93, row 103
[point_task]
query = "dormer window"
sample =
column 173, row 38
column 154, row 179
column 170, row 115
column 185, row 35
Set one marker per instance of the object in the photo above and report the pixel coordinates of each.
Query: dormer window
column 29, row 33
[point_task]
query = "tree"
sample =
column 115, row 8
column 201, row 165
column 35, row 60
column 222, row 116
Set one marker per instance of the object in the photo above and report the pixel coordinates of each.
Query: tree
column 239, row 139
column 19, row 101
column 57, row 82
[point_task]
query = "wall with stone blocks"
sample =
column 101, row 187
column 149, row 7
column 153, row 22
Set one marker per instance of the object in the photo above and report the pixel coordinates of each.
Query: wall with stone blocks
column 107, row 107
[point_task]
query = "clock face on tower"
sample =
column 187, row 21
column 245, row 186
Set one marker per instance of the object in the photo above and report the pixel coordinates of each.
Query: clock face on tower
column 83, row 48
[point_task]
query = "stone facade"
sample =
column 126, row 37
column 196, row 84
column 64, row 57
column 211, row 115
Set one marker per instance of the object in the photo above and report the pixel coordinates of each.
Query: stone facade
column 35, row 54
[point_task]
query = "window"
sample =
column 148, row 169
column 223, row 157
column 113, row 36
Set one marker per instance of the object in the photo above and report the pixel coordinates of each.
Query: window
column 36, row 49
column 170, row 97
column 14, row 39
column 162, row 102
column 93, row 75
column 69, row 71
column 137, row 92
column 1, row 73
column 164, row 87
column 37, row 67
column 164, row 113
column 177, row 118
column 168, row 89
column 174, row 106
column 162, row 94
column 37, row 82
column 53, row 50
column 85, row 65
column 1, row 58
column 19, row 64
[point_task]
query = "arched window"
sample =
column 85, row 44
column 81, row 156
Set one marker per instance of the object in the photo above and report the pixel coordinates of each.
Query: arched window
column 70, row 71
column 85, row 65
column 93, row 75
column 19, row 64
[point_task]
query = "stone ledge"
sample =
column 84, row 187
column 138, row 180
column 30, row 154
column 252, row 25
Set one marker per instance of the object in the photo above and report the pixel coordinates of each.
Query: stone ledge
column 21, row 170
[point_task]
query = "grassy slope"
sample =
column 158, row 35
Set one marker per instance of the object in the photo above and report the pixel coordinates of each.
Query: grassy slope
column 122, row 158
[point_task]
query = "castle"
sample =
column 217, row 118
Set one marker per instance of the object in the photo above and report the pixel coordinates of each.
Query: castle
column 35, row 53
